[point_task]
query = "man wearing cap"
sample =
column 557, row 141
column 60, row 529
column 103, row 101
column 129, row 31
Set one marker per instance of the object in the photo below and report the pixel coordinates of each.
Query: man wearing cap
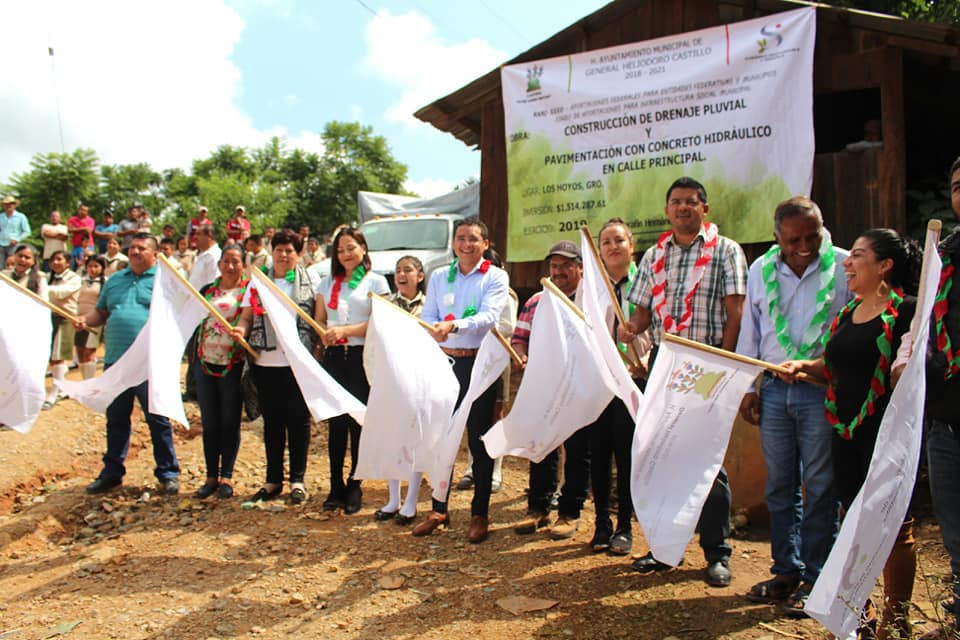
column 692, row 283
column 14, row 227
column 238, row 227
column 194, row 224
column 566, row 269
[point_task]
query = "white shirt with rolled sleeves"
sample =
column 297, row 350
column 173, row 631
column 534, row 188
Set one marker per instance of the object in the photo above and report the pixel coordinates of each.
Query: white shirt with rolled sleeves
column 487, row 291
column 798, row 301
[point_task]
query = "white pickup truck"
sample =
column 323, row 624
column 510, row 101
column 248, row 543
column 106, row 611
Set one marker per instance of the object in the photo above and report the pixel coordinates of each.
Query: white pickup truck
column 427, row 236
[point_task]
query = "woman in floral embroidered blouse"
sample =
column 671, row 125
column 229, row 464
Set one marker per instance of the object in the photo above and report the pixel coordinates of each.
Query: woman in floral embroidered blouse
column 218, row 376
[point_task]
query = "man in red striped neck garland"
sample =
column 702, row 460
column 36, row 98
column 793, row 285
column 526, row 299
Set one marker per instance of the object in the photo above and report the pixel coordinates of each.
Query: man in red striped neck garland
column 692, row 283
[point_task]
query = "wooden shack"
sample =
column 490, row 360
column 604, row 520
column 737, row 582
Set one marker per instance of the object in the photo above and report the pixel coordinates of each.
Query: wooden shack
column 866, row 67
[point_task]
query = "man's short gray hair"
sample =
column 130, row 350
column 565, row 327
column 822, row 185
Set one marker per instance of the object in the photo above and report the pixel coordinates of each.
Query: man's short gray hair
column 796, row 206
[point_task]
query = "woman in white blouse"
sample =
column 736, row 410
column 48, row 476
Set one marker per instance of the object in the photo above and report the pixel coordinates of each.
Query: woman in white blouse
column 344, row 306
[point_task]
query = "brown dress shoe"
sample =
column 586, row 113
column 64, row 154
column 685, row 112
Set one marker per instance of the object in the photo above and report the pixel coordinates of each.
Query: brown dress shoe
column 432, row 521
column 478, row 530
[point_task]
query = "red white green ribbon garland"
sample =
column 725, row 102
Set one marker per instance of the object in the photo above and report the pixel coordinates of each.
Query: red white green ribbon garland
column 814, row 335
column 690, row 286
column 878, row 385
column 470, row 309
column 233, row 356
column 940, row 308
column 334, row 303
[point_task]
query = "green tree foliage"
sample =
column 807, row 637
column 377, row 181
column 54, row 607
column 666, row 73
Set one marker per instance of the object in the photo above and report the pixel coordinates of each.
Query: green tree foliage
column 943, row 11
column 58, row 181
column 277, row 185
column 122, row 185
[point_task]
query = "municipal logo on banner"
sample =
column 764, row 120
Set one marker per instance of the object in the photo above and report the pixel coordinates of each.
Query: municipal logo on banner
column 770, row 44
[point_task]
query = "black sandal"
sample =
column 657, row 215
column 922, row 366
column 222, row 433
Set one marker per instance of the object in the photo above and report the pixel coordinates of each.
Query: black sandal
column 795, row 605
column 776, row 589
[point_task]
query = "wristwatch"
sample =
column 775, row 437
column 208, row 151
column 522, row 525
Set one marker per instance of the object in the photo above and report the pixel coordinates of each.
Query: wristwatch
column 455, row 329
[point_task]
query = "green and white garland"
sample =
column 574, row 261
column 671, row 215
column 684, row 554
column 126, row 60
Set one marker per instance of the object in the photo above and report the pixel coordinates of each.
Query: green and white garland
column 816, row 332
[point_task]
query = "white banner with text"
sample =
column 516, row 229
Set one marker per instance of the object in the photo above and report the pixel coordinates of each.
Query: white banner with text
column 605, row 132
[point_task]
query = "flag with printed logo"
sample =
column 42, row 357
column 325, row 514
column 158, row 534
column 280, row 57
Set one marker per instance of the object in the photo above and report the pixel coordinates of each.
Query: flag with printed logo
column 871, row 525
column 682, row 432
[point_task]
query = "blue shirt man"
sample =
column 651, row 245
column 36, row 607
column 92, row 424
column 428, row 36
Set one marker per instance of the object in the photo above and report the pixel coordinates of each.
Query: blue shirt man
column 104, row 232
column 124, row 305
column 793, row 294
column 463, row 303
column 14, row 227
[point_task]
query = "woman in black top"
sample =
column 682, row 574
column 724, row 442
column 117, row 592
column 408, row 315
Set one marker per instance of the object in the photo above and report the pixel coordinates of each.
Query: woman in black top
column 882, row 270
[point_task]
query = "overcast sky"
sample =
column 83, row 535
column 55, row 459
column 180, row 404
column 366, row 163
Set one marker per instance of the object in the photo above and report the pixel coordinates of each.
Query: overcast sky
column 167, row 82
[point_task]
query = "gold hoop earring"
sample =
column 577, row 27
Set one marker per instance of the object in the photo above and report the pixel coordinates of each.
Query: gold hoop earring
column 884, row 288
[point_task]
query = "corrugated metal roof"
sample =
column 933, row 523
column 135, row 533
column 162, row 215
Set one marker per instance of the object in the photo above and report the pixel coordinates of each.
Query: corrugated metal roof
column 459, row 112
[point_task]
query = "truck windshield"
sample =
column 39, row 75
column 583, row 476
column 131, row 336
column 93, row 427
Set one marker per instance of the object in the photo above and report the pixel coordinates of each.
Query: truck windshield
column 406, row 234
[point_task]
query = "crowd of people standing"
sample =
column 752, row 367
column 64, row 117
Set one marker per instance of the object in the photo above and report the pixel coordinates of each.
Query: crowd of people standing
column 816, row 309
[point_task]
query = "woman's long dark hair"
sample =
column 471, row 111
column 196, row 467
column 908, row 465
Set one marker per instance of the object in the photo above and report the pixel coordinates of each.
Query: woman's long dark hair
column 33, row 280
column 336, row 268
column 905, row 253
column 103, row 267
column 415, row 261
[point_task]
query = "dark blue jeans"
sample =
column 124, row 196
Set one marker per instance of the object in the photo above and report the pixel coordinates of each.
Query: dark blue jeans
column 478, row 423
column 943, row 460
column 796, row 440
column 118, row 437
column 221, row 403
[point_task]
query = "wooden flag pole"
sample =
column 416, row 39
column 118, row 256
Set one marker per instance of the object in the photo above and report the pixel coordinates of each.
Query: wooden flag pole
column 429, row 327
column 932, row 240
column 769, row 366
column 548, row 284
column 290, row 303
column 506, row 345
column 631, row 347
column 425, row 325
column 206, row 303
column 49, row 305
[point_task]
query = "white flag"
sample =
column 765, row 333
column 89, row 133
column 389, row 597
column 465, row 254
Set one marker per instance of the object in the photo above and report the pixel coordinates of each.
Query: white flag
column 871, row 525
column 155, row 354
column 412, row 394
column 688, row 409
column 597, row 305
column 565, row 385
column 24, row 351
column 489, row 364
column 325, row 397
column 175, row 313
